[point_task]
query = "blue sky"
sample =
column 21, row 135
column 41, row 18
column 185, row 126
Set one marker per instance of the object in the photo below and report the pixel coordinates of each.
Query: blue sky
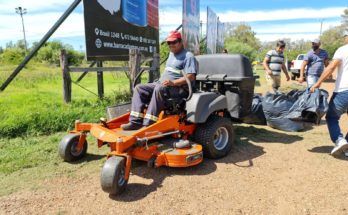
column 271, row 20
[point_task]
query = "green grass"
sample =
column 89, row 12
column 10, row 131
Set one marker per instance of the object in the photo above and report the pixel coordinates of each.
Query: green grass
column 26, row 162
column 32, row 111
column 33, row 103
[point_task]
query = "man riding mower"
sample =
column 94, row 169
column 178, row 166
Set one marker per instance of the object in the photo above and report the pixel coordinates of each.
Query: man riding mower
column 185, row 130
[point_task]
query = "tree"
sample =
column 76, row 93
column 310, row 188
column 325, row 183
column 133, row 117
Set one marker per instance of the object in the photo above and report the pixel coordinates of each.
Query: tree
column 12, row 56
column 20, row 44
column 164, row 51
column 237, row 47
column 243, row 33
column 331, row 39
column 50, row 53
column 241, row 39
column 9, row 45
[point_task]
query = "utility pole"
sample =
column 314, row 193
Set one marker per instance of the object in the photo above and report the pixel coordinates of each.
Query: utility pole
column 321, row 27
column 21, row 11
column 201, row 26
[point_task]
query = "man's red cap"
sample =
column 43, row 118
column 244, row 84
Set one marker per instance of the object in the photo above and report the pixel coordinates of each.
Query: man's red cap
column 173, row 35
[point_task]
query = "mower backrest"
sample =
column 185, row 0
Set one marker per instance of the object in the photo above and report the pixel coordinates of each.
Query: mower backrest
column 230, row 75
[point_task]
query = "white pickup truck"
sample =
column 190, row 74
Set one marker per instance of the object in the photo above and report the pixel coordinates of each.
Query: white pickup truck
column 296, row 66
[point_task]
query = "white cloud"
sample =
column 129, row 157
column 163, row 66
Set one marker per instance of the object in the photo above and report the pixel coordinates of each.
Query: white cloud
column 36, row 26
column 42, row 14
column 293, row 37
column 33, row 5
column 285, row 14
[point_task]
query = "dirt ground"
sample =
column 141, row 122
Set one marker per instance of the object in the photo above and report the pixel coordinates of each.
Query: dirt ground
column 268, row 172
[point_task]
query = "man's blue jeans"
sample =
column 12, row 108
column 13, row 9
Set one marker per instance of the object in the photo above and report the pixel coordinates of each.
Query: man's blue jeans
column 338, row 105
column 311, row 80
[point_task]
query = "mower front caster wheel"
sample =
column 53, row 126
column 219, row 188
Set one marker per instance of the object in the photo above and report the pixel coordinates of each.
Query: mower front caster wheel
column 112, row 177
column 68, row 148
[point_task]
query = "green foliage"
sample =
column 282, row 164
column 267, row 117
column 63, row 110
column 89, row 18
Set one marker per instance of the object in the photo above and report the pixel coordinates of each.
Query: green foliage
column 332, row 39
column 20, row 44
column 243, row 33
column 164, row 51
column 50, row 53
column 12, row 56
column 238, row 47
column 240, row 39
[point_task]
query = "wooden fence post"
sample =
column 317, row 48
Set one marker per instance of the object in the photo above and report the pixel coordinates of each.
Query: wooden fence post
column 155, row 68
column 134, row 65
column 66, row 76
column 100, row 81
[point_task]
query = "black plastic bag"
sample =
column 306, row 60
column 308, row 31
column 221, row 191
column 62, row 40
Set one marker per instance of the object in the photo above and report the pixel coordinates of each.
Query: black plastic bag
column 276, row 108
column 310, row 107
column 289, row 111
column 256, row 115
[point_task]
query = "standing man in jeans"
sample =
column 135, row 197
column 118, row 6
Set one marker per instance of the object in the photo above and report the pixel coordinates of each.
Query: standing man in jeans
column 315, row 60
column 274, row 64
column 339, row 100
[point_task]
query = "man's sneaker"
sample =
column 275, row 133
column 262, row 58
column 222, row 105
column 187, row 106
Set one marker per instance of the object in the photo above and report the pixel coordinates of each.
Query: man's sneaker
column 341, row 146
column 131, row 126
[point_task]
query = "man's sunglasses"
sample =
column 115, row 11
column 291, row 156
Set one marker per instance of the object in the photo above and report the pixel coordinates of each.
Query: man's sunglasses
column 172, row 42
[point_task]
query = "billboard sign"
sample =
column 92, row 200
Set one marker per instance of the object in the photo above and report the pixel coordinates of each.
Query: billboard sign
column 211, row 31
column 112, row 27
column 220, row 36
column 191, row 25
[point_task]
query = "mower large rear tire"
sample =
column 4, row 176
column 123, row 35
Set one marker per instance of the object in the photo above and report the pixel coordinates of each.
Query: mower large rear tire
column 67, row 148
column 112, row 177
column 216, row 136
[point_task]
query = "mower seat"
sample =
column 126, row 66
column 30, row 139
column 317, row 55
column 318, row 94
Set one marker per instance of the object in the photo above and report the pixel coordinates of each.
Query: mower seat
column 175, row 105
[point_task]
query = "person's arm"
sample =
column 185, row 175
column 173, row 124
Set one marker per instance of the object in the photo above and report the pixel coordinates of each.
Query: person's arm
column 265, row 65
column 285, row 71
column 180, row 81
column 326, row 62
column 302, row 69
column 327, row 72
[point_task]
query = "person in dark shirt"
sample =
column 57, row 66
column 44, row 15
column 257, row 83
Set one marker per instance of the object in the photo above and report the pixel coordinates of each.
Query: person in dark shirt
column 171, row 83
column 315, row 60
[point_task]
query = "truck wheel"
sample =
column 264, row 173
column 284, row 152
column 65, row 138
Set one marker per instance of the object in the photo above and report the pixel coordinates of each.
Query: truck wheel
column 216, row 136
column 112, row 177
column 67, row 148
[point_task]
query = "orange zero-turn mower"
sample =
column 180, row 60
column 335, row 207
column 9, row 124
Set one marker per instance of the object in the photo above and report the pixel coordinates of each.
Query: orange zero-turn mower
column 190, row 128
